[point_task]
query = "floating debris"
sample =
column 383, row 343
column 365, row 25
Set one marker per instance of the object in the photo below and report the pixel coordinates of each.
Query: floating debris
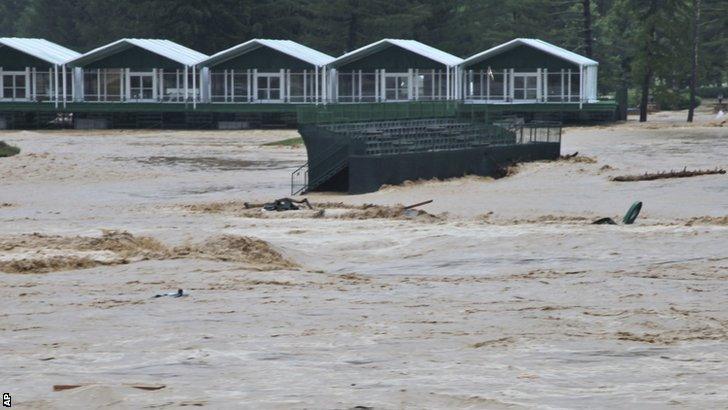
column 282, row 204
column 632, row 213
column 178, row 294
column 628, row 219
column 671, row 174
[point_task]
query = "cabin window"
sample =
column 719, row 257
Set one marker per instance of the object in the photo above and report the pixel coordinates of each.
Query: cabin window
column 14, row 85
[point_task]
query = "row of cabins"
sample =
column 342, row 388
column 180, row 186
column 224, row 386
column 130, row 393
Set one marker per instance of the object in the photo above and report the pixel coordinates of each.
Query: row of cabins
column 283, row 71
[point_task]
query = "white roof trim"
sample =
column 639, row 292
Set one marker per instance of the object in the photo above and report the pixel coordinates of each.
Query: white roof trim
column 549, row 48
column 291, row 48
column 410, row 45
column 164, row 48
column 41, row 49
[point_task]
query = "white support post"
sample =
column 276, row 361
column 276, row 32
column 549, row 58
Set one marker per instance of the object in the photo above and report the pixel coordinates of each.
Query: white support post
column 176, row 84
column 316, row 85
column 98, row 86
column 581, row 86
column 225, row 91
column 447, row 78
column 55, row 84
column 568, row 84
column 232, row 85
column 562, row 85
column 255, row 84
column 34, row 95
column 482, row 84
column 538, row 84
column 160, row 83
column 487, row 87
column 305, row 74
column 410, row 81
column 353, row 86
column 415, row 84
column 288, row 85
column 435, row 93
column 512, row 80
column 545, row 86
column 360, row 86
column 64, row 79
column 505, row 84
column 185, row 81
column 324, row 84
column 376, row 85
column 194, row 87
column 383, row 84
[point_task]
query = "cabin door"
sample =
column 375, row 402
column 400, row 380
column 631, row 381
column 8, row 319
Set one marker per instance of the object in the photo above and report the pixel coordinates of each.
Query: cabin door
column 142, row 87
column 14, row 86
column 525, row 87
column 396, row 86
column 269, row 87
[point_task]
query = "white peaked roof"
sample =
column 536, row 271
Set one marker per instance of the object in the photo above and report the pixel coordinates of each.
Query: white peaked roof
column 165, row 48
column 40, row 48
column 291, row 48
column 410, row 45
column 549, row 48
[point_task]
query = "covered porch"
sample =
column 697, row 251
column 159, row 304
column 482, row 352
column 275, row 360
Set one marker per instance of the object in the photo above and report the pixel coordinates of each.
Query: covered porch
column 34, row 70
column 393, row 70
column 140, row 71
column 267, row 71
column 528, row 71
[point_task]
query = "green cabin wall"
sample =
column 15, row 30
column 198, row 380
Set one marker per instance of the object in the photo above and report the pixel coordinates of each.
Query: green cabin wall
column 134, row 58
column 263, row 58
column 392, row 58
column 14, row 60
column 523, row 57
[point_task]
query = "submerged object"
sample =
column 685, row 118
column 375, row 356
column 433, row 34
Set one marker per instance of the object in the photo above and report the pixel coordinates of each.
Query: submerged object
column 604, row 221
column 286, row 204
column 180, row 293
column 632, row 213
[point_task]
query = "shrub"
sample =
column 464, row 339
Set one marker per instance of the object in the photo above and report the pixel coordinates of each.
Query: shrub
column 8, row 150
column 668, row 99
column 713, row 92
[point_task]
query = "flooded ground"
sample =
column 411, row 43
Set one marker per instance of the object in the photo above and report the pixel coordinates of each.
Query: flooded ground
column 500, row 294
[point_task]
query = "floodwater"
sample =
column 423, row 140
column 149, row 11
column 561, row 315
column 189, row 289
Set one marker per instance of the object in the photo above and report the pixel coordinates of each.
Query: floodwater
column 506, row 298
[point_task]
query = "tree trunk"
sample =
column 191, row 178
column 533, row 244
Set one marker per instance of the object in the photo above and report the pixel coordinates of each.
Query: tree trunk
column 622, row 94
column 649, row 53
column 588, row 36
column 645, row 94
column 694, row 68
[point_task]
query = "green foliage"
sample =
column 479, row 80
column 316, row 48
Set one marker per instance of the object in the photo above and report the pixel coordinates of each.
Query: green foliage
column 670, row 100
column 713, row 92
column 7, row 150
column 631, row 38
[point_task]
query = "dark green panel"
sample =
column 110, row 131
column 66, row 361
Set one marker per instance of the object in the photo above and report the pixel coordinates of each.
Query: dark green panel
column 523, row 57
column 12, row 59
column 134, row 58
column 263, row 58
column 391, row 58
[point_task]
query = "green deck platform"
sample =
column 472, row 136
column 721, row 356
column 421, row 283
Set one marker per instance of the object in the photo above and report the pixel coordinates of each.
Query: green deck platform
column 21, row 115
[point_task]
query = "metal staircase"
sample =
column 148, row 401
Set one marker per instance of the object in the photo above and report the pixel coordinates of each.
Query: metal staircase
column 331, row 163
